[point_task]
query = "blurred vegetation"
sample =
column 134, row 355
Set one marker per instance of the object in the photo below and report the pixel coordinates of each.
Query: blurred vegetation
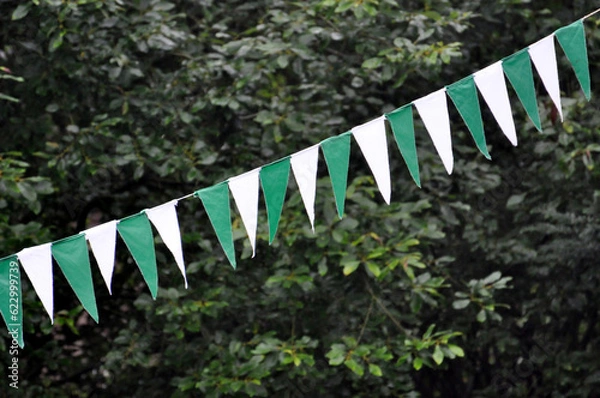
column 481, row 284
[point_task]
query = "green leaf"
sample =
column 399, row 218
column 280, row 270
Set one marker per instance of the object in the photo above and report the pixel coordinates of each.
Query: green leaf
column 481, row 316
column 323, row 267
column 415, row 303
column 52, row 107
column 163, row 6
column 55, row 43
column 27, row 191
column 264, row 348
column 491, row 278
column 370, row 9
column 438, row 355
column 433, row 15
column 350, row 267
column 8, row 98
column 375, row 370
column 349, row 341
column 423, row 278
column 185, row 117
column 336, row 360
column 403, row 359
column 337, row 354
column 383, row 354
column 361, row 351
column 11, row 77
column 21, row 11
column 293, row 124
column 283, row 61
column 344, row 5
column 379, row 252
column 372, row 63
column 427, row 333
column 374, row 268
column 460, row 304
column 418, row 363
column 515, row 200
column 355, row 367
column 456, row 350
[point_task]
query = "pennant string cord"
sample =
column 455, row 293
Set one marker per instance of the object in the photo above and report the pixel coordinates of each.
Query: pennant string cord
column 187, row 196
column 591, row 14
column 216, row 199
column 306, row 149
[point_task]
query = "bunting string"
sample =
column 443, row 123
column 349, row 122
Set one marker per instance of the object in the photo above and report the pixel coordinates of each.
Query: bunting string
column 72, row 253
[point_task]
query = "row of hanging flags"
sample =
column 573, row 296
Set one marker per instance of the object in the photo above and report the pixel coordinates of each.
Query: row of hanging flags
column 71, row 253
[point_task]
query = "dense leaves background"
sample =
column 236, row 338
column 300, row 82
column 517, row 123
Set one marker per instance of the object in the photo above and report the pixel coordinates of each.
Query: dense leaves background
column 482, row 283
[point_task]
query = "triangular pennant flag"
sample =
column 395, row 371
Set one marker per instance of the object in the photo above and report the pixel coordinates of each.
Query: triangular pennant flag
column 216, row 203
column 517, row 68
column 572, row 40
column 11, row 304
column 543, row 56
column 71, row 255
column 37, row 263
column 244, row 189
column 164, row 219
column 336, row 151
column 274, row 180
column 491, row 85
column 401, row 122
column 463, row 94
column 373, row 145
column 433, row 110
column 103, row 241
column 136, row 232
column 304, row 166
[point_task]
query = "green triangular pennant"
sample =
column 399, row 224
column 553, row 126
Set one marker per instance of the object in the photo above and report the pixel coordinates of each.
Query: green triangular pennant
column 73, row 258
column 274, row 180
column 517, row 68
column 137, row 235
column 463, row 94
column 337, row 156
column 11, row 306
column 401, row 121
column 216, row 202
column 572, row 40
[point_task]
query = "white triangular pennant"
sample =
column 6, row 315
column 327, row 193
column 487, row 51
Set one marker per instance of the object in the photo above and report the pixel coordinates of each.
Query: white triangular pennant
column 164, row 219
column 304, row 165
column 543, row 55
column 244, row 189
column 433, row 110
column 103, row 240
column 373, row 145
column 492, row 86
column 37, row 263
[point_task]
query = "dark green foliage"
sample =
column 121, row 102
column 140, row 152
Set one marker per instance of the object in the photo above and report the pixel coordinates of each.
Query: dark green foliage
column 482, row 283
